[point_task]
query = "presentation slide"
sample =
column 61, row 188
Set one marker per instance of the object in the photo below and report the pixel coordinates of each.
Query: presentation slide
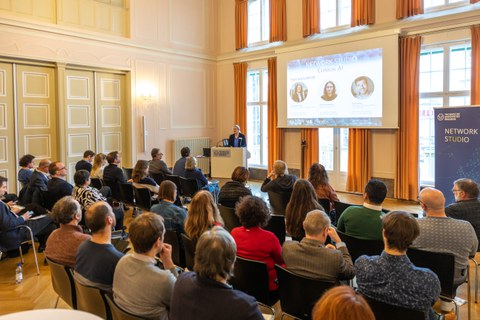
column 342, row 89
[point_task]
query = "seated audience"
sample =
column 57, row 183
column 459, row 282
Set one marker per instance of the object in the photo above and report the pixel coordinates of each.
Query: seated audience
column 99, row 163
column 113, row 175
column 232, row 191
column 279, row 180
column 141, row 179
column 88, row 196
column 38, row 183
column 173, row 215
column 208, row 286
column 140, row 286
column 63, row 243
column 202, row 215
column 318, row 177
column 439, row 233
column 255, row 243
column 97, row 257
column 86, row 162
column 192, row 172
column 311, row 258
column 179, row 167
column 391, row 277
column 364, row 222
column 157, row 165
column 26, row 165
column 302, row 201
column 466, row 206
column 10, row 236
column 342, row 303
column 57, row 186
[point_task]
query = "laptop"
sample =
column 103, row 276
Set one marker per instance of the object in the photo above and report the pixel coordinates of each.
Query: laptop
column 207, row 152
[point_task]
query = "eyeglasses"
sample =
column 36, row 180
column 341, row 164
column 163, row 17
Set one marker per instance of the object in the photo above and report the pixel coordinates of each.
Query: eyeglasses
column 62, row 168
column 456, row 190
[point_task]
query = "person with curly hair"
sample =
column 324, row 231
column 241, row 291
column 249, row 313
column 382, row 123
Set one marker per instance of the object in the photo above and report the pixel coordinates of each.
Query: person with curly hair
column 255, row 243
column 202, row 215
column 302, row 201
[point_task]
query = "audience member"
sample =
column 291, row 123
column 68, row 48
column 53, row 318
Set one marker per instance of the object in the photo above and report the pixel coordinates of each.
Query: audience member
column 438, row 233
column 202, row 215
column 391, row 277
column 466, row 206
column 10, row 235
column 39, row 178
column 173, row 215
column 88, row 196
column 97, row 257
column 342, row 303
column 179, row 167
column 233, row 191
column 141, row 179
column 157, row 165
column 113, row 175
column 140, row 286
column 26, row 165
column 311, row 258
column 255, row 243
column 279, row 180
column 86, row 162
column 318, row 177
column 99, row 163
column 57, row 186
column 364, row 222
column 63, row 243
column 302, row 200
column 195, row 292
column 192, row 172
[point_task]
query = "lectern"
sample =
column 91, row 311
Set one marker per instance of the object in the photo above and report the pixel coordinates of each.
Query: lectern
column 225, row 159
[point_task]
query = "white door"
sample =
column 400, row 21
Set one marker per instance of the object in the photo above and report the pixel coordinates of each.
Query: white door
column 333, row 149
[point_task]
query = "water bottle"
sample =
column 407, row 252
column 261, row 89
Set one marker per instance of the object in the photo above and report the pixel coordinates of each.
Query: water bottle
column 18, row 274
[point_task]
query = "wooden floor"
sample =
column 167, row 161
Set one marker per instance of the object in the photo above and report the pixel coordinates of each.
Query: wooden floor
column 36, row 292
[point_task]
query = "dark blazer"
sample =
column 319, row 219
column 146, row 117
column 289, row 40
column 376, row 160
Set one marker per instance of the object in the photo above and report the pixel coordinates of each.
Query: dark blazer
column 38, row 180
column 242, row 142
column 8, row 221
column 113, row 175
column 58, row 188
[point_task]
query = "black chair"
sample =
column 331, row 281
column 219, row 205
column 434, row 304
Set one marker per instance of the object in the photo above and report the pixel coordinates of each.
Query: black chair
column 158, row 177
column 120, row 244
column 276, row 224
column 175, row 179
column 189, row 246
column 49, row 199
column 62, row 282
column 325, row 203
column 127, row 172
column 115, row 187
column 96, row 183
column 143, row 198
column 229, row 217
column 126, row 193
column 251, row 277
column 385, row 311
column 279, row 201
column 178, row 255
column 298, row 294
column 91, row 300
column 117, row 312
column 357, row 247
column 189, row 187
column 340, row 207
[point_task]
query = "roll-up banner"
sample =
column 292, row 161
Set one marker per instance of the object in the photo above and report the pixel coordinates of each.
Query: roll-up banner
column 457, row 147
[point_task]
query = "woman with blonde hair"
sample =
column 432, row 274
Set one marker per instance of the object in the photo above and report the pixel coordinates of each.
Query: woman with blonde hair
column 202, row 215
column 99, row 163
column 342, row 303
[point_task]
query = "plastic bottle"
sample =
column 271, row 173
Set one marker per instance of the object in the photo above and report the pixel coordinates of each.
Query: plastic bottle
column 18, row 273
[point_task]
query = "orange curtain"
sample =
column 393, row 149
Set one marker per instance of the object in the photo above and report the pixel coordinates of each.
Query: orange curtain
column 278, row 20
column 240, row 79
column 310, row 136
column 363, row 12
column 241, row 24
column 406, row 182
column 311, row 17
column 359, row 159
column 408, row 8
column 475, row 79
column 275, row 135
column 474, row 1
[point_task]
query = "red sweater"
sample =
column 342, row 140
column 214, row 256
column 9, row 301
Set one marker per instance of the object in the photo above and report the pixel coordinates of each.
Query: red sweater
column 261, row 245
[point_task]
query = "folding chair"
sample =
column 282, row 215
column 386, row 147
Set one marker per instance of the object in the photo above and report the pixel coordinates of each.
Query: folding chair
column 143, row 198
column 189, row 187
column 357, row 247
column 117, row 312
column 278, row 202
column 96, row 183
column 276, row 224
column 189, row 246
column 178, row 255
column 91, row 300
column 229, row 217
column 62, row 282
column 385, row 311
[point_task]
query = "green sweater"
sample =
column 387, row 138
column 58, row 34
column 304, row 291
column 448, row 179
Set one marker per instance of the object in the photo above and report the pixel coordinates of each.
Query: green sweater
column 361, row 222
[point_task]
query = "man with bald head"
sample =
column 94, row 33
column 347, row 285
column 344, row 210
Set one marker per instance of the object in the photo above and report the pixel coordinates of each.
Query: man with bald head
column 439, row 233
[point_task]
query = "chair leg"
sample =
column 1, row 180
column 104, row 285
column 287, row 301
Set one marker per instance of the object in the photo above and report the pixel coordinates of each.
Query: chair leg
column 34, row 250
column 475, row 263
column 21, row 254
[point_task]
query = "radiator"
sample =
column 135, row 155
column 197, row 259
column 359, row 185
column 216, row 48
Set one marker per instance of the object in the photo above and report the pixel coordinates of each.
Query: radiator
column 196, row 146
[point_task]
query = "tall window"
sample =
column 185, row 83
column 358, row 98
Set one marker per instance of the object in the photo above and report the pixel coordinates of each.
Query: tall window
column 444, row 82
column 333, row 155
column 442, row 4
column 335, row 13
column 257, row 117
column 258, row 21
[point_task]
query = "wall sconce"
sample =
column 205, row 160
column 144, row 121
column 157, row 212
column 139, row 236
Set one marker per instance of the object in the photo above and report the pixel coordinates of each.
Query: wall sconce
column 146, row 98
column 146, row 92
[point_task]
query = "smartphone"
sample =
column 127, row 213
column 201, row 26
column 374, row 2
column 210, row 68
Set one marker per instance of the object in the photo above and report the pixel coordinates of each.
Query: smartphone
column 30, row 213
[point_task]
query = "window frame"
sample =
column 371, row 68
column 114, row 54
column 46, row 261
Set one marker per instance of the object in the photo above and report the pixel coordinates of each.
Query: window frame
column 446, row 6
column 337, row 27
column 264, row 25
